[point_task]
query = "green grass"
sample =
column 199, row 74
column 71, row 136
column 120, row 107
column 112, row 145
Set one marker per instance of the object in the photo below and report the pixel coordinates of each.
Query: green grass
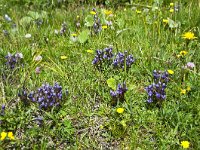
column 87, row 119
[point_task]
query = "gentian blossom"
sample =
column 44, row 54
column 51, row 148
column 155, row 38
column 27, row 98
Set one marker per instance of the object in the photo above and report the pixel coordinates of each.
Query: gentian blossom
column 119, row 93
column 156, row 91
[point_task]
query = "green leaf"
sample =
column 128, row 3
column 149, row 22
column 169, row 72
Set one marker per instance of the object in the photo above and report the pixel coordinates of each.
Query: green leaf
column 112, row 83
column 84, row 36
column 34, row 15
column 120, row 23
column 173, row 24
column 89, row 20
column 25, row 21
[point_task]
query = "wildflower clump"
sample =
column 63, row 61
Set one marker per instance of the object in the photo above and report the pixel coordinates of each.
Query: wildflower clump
column 47, row 96
column 122, row 59
column 13, row 60
column 156, row 91
column 118, row 95
column 119, row 61
column 103, row 57
column 97, row 27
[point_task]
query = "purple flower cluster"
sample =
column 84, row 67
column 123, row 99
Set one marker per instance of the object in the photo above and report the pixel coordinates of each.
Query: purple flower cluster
column 102, row 56
column 156, row 91
column 47, row 96
column 123, row 59
column 97, row 23
column 106, row 56
column 119, row 93
column 12, row 60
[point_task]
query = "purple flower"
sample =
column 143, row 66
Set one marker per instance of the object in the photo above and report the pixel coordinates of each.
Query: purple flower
column 119, row 93
column 103, row 57
column 190, row 65
column 37, row 70
column 3, row 107
column 156, row 91
column 47, row 96
column 13, row 60
column 123, row 59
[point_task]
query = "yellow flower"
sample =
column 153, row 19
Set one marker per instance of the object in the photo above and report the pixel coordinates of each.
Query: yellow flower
column 183, row 91
column 120, row 110
column 63, row 57
column 11, row 136
column 138, row 11
column 3, row 135
column 93, row 13
column 104, row 27
column 73, row 34
column 171, row 10
column 171, row 4
column 107, row 12
column 188, row 88
column 77, row 16
column 185, row 144
column 90, row 51
column 189, row 36
column 124, row 9
column 170, row 71
column 183, row 53
column 165, row 21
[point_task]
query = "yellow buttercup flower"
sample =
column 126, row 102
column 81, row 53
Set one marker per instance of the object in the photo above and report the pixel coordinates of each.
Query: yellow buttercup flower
column 183, row 53
column 93, row 12
column 189, row 36
column 104, row 27
column 107, row 12
column 183, row 91
column 170, row 71
column 165, row 21
column 188, row 88
column 73, row 34
column 171, row 4
column 11, row 136
column 63, row 57
column 171, row 10
column 90, row 51
column 185, row 144
column 3, row 135
column 120, row 110
column 138, row 11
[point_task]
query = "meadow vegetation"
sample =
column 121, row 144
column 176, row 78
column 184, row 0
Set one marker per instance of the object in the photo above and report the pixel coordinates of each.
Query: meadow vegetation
column 105, row 75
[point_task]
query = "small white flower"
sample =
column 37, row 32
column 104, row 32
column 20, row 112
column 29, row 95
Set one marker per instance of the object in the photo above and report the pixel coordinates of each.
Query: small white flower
column 19, row 55
column 38, row 58
column 7, row 18
column 28, row 36
column 56, row 31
